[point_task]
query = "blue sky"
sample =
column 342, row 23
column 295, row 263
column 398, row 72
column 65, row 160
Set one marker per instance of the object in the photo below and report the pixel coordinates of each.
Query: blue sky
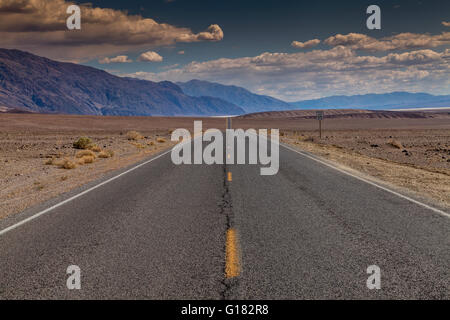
column 247, row 43
column 253, row 27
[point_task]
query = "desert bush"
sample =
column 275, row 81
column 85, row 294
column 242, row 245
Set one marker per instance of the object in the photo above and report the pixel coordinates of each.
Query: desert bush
column 134, row 135
column 86, row 159
column 82, row 143
column 394, row 143
column 106, row 154
column 138, row 145
column 95, row 148
column 67, row 164
column 161, row 140
column 84, row 153
column 151, row 143
column 309, row 139
column 64, row 178
column 48, row 161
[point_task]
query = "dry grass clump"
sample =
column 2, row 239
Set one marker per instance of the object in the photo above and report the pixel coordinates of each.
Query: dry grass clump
column 85, row 153
column 95, row 148
column 82, row 143
column 65, row 164
column 48, row 162
column 86, row 160
column 161, row 140
column 138, row 145
column 394, row 143
column 106, row 154
column 151, row 143
column 134, row 135
column 309, row 139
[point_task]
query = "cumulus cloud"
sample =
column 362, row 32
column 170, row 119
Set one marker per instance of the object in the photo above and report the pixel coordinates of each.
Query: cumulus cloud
column 40, row 26
column 305, row 45
column 402, row 41
column 118, row 59
column 445, row 23
column 305, row 75
column 150, row 56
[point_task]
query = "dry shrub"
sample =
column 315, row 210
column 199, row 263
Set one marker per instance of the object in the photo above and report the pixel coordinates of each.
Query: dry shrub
column 309, row 139
column 106, row 154
column 138, row 145
column 64, row 178
column 67, row 164
column 82, row 143
column 95, row 148
column 134, row 135
column 86, row 159
column 48, row 162
column 161, row 140
column 394, row 143
column 84, row 153
column 151, row 143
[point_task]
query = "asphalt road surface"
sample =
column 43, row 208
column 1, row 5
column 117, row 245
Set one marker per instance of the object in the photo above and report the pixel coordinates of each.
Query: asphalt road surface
column 163, row 231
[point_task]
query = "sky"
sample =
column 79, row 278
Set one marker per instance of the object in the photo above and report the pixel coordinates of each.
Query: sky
column 292, row 50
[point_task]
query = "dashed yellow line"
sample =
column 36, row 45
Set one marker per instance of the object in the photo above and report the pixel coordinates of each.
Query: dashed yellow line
column 230, row 177
column 232, row 263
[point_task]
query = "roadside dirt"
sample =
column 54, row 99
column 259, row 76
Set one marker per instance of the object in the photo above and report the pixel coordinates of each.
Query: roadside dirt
column 30, row 169
column 412, row 161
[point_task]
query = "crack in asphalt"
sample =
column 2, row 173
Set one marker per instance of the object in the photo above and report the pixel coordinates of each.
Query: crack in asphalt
column 226, row 208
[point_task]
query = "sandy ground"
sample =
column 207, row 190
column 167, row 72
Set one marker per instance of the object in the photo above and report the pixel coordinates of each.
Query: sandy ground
column 409, row 153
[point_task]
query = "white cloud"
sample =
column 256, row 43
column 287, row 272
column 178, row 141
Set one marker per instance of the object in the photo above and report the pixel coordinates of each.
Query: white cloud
column 402, row 41
column 118, row 59
column 305, row 45
column 150, row 56
column 305, row 75
column 445, row 23
column 39, row 26
column 181, row 52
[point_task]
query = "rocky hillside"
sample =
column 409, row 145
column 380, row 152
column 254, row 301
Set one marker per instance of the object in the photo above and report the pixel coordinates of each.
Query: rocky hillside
column 37, row 84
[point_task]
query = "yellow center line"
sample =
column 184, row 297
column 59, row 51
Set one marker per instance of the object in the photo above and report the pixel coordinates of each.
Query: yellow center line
column 230, row 176
column 232, row 264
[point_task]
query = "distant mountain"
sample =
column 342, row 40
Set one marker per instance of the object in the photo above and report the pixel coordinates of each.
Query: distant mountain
column 247, row 100
column 37, row 84
column 384, row 101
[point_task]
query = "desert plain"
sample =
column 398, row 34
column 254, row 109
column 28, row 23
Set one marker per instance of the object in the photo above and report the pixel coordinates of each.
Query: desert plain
column 407, row 150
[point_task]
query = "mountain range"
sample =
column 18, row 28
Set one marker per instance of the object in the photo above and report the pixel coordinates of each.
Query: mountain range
column 29, row 83
column 241, row 97
column 38, row 84
column 384, row 101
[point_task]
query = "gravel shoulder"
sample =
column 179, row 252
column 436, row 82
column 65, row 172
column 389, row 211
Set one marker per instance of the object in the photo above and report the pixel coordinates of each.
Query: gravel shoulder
column 416, row 162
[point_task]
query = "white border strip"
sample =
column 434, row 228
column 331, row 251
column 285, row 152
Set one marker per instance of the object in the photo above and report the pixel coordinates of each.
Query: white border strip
column 18, row 224
column 445, row 214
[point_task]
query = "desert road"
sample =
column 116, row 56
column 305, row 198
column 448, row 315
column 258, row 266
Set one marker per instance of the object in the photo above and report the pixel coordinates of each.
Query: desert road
column 161, row 231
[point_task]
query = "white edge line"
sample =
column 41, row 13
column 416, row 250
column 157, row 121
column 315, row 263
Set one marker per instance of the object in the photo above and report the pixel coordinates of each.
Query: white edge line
column 18, row 224
column 443, row 213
